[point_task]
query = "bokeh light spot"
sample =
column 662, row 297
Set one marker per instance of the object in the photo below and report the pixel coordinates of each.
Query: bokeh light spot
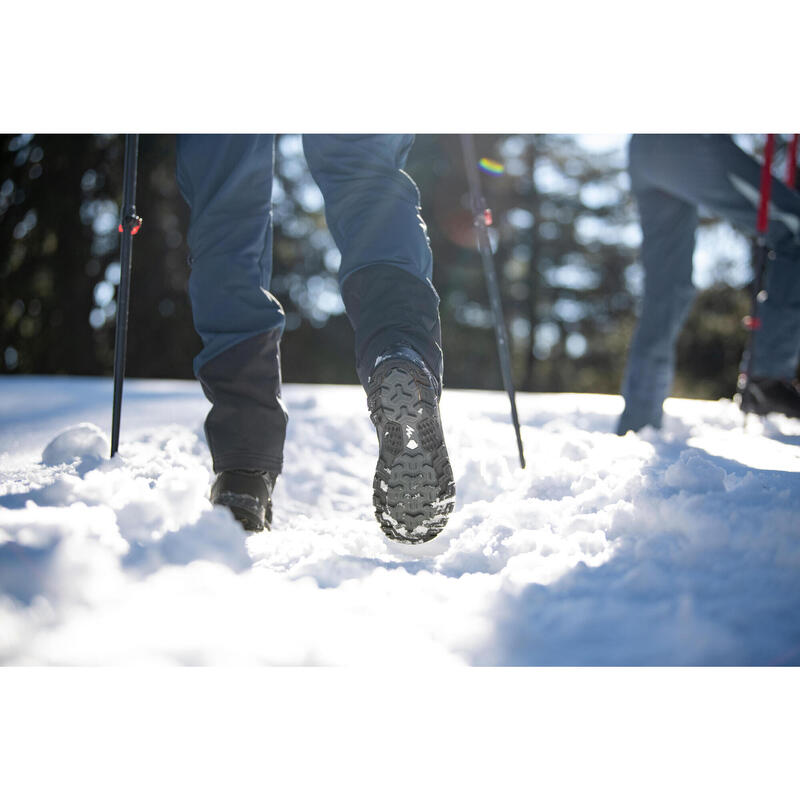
column 491, row 166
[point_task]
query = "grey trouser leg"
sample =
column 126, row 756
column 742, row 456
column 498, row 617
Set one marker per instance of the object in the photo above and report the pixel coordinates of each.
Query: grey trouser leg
column 671, row 175
column 668, row 227
column 227, row 182
column 373, row 212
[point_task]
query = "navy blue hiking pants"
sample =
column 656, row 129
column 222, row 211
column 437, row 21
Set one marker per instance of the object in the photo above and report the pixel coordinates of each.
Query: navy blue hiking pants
column 372, row 210
column 671, row 175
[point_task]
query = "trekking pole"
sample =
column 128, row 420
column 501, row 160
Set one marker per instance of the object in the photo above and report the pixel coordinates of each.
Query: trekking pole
column 128, row 227
column 482, row 219
column 752, row 322
column 791, row 162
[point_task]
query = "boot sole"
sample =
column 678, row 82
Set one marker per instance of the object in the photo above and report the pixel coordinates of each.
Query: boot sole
column 413, row 490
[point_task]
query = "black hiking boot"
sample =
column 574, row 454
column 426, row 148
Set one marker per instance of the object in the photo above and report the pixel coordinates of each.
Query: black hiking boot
column 768, row 395
column 413, row 490
column 247, row 494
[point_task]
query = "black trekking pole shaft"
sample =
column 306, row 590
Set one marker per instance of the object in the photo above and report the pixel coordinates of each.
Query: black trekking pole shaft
column 753, row 322
column 481, row 221
column 129, row 226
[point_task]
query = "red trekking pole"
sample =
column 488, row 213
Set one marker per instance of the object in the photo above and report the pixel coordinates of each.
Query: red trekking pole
column 791, row 162
column 752, row 322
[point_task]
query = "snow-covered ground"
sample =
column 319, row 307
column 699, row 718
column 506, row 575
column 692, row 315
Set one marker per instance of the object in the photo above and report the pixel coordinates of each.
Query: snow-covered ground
column 672, row 547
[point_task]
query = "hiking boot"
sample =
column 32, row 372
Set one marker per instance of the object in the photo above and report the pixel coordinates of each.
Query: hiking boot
column 247, row 494
column 768, row 395
column 413, row 490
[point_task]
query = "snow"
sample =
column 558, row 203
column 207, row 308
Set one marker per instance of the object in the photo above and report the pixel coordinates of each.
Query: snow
column 671, row 547
column 82, row 443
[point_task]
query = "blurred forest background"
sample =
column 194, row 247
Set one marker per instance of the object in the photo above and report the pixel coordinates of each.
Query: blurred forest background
column 565, row 232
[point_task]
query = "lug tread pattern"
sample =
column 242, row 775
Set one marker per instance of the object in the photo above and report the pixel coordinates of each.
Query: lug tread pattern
column 413, row 490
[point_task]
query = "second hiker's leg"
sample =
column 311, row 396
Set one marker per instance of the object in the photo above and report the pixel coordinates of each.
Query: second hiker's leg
column 668, row 238
column 712, row 171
